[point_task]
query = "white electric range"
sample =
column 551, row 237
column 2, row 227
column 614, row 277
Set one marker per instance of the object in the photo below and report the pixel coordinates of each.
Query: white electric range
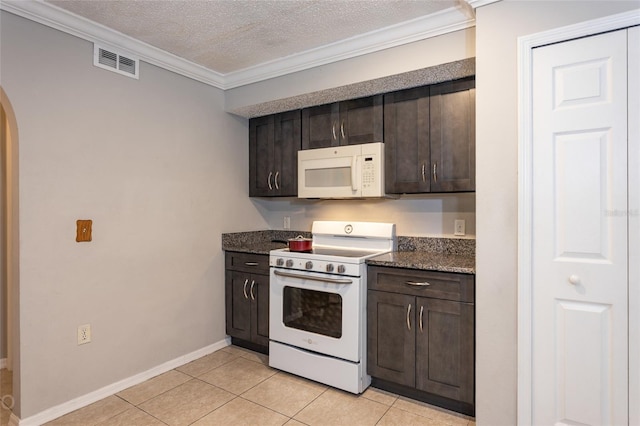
column 317, row 305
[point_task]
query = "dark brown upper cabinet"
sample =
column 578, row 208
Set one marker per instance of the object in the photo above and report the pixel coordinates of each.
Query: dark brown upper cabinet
column 350, row 122
column 406, row 141
column 429, row 135
column 274, row 142
column 453, row 136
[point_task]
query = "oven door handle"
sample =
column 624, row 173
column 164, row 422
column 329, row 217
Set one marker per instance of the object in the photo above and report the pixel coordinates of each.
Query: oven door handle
column 314, row 278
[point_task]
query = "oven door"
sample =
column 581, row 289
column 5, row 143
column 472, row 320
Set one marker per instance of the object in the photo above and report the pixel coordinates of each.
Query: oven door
column 316, row 312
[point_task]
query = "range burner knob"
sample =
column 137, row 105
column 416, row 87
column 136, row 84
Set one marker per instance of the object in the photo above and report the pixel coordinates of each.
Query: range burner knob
column 341, row 269
column 280, row 262
column 308, row 265
column 329, row 267
column 289, row 263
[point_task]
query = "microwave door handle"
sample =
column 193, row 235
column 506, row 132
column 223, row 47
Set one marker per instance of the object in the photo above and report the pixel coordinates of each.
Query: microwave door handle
column 354, row 173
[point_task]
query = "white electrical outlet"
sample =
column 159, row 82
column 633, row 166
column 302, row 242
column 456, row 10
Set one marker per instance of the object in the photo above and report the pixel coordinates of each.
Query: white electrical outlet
column 286, row 223
column 459, row 227
column 84, row 334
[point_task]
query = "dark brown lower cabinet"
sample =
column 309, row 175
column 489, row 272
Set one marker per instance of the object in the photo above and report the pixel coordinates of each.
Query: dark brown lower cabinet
column 420, row 344
column 247, row 300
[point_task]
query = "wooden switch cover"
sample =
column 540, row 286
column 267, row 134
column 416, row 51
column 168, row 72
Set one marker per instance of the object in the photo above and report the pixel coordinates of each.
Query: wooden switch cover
column 83, row 230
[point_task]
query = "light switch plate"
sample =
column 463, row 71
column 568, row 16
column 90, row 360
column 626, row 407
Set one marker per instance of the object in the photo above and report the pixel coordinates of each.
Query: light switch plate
column 83, row 230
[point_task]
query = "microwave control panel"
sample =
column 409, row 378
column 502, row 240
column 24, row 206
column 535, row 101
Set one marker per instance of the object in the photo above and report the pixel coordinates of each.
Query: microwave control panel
column 372, row 170
column 368, row 172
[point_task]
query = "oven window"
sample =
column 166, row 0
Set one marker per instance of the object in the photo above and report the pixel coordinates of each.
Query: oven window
column 314, row 311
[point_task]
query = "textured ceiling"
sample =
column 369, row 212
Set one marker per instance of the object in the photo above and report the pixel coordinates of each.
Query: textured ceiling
column 230, row 35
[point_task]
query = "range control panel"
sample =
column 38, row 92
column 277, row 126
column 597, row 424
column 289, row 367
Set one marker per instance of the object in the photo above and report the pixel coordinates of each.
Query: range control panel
column 316, row 265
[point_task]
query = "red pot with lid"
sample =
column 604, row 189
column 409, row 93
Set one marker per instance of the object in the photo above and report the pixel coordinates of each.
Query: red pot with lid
column 299, row 243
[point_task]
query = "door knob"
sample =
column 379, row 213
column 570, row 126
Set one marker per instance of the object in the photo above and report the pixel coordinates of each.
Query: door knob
column 574, row 279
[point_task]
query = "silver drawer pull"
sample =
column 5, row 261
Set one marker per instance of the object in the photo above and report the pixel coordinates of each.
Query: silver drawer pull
column 408, row 314
column 251, row 263
column 421, row 311
column 244, row 288
column 417, row 284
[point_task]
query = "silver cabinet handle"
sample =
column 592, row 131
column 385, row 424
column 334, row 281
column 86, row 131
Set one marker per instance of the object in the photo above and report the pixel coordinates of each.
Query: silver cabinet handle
column 333, row 130
column 424, row 178
column 408, row 319
column 253, row 282
column 342, row 129
column 275, row 179
column 251, row 263
column 421, row 310
column 314, row 278
column 244, row 288
column 417, row 284
column 269, row 181
column 435, row 174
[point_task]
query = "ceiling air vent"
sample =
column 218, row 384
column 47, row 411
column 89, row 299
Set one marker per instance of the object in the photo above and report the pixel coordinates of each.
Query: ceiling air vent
column 114, row 61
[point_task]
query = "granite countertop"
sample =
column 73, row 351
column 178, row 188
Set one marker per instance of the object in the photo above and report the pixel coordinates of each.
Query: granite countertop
column 425, row 253
column 258, row 242
column 424, row 260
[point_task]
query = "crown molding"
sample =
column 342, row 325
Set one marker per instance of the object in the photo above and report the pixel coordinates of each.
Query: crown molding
column 70, row 23
column 447, row 21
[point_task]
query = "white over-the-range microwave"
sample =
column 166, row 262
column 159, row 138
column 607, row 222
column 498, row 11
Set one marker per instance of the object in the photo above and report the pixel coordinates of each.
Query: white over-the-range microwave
column 349, row 171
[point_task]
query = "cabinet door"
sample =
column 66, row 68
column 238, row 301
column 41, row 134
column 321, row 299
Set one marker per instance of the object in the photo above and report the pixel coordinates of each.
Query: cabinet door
column 391, row 337
column 361, row 121
column 320, row 126
column 406, row 141
column 261, row 156
column 259, row 294
column 237, row 304
column 453, row 137
column 445, row 349
column 287, row 144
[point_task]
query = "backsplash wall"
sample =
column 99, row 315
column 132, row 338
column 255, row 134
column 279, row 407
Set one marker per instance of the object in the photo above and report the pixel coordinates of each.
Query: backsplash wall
column 425, row 215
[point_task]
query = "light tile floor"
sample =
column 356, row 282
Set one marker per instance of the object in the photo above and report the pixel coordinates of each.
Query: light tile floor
column 234, row 386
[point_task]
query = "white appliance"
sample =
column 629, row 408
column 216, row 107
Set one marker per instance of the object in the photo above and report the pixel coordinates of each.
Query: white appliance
column 317, row 303
column 350, row 171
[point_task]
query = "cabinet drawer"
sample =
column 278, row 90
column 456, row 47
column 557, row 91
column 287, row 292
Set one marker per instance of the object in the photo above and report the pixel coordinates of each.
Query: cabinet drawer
column 248, row 262
column 437, row 285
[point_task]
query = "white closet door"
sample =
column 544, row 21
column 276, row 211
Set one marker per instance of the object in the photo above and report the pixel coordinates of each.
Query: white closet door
column 634, row 225
column 580, row 255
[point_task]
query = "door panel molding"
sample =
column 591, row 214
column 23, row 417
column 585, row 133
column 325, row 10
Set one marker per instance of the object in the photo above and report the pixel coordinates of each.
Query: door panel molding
column 526, row 44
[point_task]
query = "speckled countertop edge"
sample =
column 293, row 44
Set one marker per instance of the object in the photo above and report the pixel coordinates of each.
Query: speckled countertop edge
column 258, row 242
column 424, row 253
column 425, row 260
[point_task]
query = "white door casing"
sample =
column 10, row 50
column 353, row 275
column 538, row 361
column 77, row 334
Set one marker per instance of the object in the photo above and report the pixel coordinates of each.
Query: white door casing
column 579, row 247
column 634, row 224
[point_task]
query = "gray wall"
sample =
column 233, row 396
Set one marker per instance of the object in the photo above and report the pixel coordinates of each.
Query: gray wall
column 160, row 168
column 150, row 162
column 498, row 27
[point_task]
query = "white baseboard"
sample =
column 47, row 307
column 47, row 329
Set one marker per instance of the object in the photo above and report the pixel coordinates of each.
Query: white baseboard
column 82, row 401
column 3, row 363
